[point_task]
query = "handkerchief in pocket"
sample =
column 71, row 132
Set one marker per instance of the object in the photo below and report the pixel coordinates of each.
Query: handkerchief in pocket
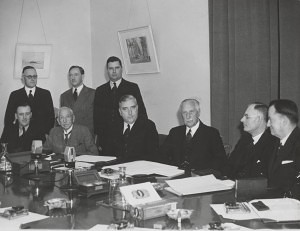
column 287, row 161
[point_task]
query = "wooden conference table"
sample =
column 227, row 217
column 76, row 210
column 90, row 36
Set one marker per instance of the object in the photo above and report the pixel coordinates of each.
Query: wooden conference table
column 87, row 212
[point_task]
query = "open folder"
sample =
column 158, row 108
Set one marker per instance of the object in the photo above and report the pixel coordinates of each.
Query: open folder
column 199, row 184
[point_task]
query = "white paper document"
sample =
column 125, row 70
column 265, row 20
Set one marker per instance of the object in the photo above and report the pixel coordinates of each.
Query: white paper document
column 15, row 223
column 280, row 210
column 148, row 167
column 199, row 184
column 139, row 194
column 94, row 159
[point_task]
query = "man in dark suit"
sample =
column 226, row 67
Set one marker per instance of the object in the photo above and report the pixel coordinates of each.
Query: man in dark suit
column 79, row 98
column 71, row 135
column 194, row 145
column 136, row 137
column 106, row 108
column 20, row 135
column 284, row 167
column 39, row 99
column 251, row 155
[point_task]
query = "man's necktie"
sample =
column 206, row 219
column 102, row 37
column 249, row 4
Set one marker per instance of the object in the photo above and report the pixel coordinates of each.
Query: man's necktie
column 67, row 137
column 30, row 97
column 126, row 133
column 75, row 94
column 114, row 102
column 188, row 136
column 23, row 131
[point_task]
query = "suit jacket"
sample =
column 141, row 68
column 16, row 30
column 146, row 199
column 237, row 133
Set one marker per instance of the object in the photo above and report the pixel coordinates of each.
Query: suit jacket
column 285, row 163
column 22, row 143
column 248, row 160
column 206, row 148
column 141, row 144
column 106, row 111
column 83, row 107
column 81, row 139
column 42, row 108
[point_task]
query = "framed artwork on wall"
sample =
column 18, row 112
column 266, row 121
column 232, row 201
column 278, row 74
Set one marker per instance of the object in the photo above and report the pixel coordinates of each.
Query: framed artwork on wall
column 138, row 50
column 36, row 55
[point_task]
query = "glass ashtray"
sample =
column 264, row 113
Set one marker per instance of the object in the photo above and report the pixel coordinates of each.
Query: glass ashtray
column 56, row 203
column 180, row 213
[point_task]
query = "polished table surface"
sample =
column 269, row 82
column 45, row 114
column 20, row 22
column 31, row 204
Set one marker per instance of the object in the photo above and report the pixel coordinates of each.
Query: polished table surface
column 87, row 212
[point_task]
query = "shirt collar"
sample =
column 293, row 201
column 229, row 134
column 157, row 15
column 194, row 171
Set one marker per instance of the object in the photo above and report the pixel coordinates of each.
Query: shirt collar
column 111, row 83
column 282, row 141
column 27, row 89
column 125, row 126
column 193, row 129
column 69, row 130
column 256, row 138
column 78, row 89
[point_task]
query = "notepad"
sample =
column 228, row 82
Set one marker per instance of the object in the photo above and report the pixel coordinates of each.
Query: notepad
column 94, row 159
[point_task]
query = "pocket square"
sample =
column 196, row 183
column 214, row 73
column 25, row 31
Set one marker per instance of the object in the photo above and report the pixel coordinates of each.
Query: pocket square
column 287, row 161
column 258, row 161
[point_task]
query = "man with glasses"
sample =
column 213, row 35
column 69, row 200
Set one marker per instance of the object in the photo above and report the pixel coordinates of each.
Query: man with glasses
column 79, row 98
column 251, row 154
column 71, row 135
column 39, row 100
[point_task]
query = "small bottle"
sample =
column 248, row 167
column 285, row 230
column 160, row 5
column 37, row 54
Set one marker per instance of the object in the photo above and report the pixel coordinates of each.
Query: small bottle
column 5, row 164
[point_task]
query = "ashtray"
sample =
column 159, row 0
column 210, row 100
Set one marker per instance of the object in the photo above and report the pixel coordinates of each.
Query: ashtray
column 180, row 213
column 56, row 203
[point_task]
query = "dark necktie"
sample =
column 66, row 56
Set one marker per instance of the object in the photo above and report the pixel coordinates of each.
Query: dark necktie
column 126, row 133
column 23, row 132
column 30, row 97
column 114, row 102
column 75, row 94
column 188, row 136
column 67, row 137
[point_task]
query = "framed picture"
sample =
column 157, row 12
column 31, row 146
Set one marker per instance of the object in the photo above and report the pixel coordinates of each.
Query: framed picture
column 138, row 50
column 38, row 56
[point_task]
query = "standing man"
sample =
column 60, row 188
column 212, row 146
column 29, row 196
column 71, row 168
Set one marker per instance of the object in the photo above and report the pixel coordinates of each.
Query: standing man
column 71, row 135
column 251, row 155
column 79, row 98
column 106, row 103
column 285, row 162
column 137, row 137
column 39, row 100
column 20, row 135
column 194, row 145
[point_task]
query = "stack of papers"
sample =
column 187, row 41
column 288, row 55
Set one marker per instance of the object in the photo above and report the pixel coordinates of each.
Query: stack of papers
column 200, row 184
column 94, row 159
column 148, row 167
column 280, row 210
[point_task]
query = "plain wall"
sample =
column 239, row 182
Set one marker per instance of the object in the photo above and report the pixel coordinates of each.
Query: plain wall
column 67, row 27
column 181, row 35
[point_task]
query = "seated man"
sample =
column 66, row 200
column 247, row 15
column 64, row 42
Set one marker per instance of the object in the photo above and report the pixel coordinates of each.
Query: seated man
column 136, row 137
column 19, row 135
column 69, row 134
column 284, row 164
column 250, row 157
column 193, row 145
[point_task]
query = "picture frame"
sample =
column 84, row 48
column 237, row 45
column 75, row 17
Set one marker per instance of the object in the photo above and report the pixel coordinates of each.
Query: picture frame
column 36, row 55
column 138, row 50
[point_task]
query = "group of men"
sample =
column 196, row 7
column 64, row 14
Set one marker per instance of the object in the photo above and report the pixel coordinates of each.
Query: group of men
column 112, row 120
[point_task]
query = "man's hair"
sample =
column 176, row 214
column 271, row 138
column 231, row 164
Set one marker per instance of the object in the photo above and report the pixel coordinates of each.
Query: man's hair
column 65, row 108
column 113, row 59
column 262, row 108
column 23, row 104
column 80, row 69
column 195, row 102
column 125, row 98
column 287, row 108
column 26, row 68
